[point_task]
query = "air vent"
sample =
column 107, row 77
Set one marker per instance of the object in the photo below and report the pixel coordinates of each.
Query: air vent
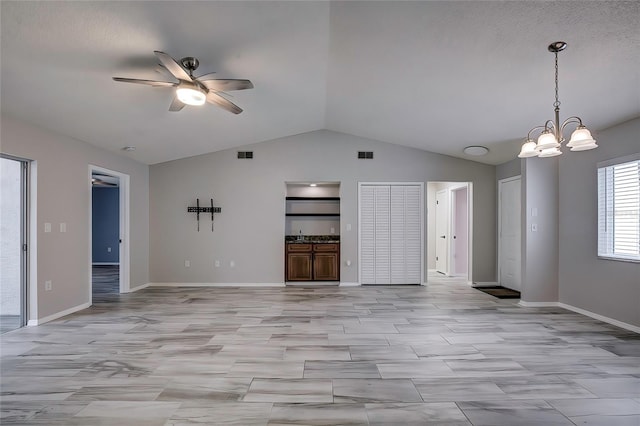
column 365, row 155
column 245, row 154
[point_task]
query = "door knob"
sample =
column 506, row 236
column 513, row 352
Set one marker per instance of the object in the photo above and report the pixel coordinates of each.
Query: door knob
column 443, row 236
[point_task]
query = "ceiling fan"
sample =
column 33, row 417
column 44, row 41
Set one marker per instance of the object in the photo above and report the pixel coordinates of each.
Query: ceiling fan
column 192, row 90
column 100, row 179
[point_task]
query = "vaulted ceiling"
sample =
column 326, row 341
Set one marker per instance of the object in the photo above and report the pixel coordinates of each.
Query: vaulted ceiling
column 437, row 76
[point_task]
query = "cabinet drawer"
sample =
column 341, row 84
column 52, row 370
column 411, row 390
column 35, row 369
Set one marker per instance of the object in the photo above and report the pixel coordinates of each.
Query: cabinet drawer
column 325, row 247
column 299, row 248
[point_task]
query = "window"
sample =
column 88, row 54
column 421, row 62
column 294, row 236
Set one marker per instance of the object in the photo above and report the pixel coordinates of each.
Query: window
column 619, row 208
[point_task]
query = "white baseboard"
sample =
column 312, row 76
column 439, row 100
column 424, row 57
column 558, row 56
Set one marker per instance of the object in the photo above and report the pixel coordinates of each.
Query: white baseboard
column 538, row 304
column 348, row 284
column 140, row 287
column 485, row 284
column 581, row 311
column 60, row 314
column 602, row 318
column 215, row 285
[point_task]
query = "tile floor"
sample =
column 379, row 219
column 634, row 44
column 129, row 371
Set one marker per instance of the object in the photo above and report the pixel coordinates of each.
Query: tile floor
column 443, row 354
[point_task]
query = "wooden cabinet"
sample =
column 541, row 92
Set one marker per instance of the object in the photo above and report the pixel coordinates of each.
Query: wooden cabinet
column 299, row 262
column 313, row 262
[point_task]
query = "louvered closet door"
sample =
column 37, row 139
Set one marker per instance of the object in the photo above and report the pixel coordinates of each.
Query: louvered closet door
column 367, row 235
column 390, row 234
column 413, row 234
column 405, row 234
column 382, row 234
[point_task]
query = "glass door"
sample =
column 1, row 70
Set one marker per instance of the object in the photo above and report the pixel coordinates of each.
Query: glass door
column 13, row 208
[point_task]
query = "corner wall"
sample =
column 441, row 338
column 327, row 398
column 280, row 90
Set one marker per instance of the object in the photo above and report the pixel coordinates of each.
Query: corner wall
column 63, row 194
column 605, row 287
column 250, row 229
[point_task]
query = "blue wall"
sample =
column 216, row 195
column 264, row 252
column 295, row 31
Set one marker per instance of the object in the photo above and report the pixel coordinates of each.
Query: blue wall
column 106, row 208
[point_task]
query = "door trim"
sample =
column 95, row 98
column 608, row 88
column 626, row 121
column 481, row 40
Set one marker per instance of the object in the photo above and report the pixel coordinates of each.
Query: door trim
column 124, row 224
column 500, row 183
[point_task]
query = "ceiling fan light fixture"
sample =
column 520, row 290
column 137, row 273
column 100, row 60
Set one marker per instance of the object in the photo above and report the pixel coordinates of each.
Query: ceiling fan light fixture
column 190, row 95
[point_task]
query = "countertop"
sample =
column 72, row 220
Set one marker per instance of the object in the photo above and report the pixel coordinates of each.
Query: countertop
column 312, row 239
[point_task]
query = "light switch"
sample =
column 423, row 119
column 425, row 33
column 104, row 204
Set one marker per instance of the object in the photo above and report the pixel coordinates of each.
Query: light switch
column 333, row 230
column 47, row 227
column 63, row 227
column 534, row 211
column 348, row 227
column 187, row 263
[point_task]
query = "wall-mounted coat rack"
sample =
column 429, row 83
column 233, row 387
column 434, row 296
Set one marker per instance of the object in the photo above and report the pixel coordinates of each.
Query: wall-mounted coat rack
column 197, row 210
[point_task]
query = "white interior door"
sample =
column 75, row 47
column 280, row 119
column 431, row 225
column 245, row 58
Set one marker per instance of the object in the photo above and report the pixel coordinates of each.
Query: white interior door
column 460, row 232
column 509, row 256
column 442, row 231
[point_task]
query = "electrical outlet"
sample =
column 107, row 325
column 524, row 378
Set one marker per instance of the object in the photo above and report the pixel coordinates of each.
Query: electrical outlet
column 534, row 227
column 217, row 263
column 187, row 263
column 333, row 230
column 47, row 227
column 47, row 285
column 108, row 249
column 348, row 227
column 348, row 263
column 63, row 227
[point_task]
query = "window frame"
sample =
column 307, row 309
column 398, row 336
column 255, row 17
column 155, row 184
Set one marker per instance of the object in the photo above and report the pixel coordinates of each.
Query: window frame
column 605, row 237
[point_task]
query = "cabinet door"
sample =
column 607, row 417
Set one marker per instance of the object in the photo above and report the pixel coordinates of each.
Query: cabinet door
column 299, row 266
column 325, row 266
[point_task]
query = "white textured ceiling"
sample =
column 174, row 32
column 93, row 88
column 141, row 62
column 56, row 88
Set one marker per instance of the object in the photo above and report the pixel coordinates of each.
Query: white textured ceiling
column 432, row 75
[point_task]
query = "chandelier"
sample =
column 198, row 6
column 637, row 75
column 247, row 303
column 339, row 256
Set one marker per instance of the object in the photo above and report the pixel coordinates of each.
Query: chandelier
column 551, row 136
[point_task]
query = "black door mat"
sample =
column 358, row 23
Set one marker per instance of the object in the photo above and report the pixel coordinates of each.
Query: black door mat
column 500, row 292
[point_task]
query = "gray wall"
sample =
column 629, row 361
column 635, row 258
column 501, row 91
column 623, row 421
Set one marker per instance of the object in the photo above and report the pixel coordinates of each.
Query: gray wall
column 250, row 230
column 63, row 193
column 540, row 247
column 606, row 287
column 509, row 169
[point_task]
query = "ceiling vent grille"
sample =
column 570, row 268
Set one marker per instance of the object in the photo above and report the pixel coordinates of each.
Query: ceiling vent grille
column 365, row 155
column 245, row 154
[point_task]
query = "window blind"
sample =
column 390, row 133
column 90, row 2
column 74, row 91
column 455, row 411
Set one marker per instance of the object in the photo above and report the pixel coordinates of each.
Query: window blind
column 619, row 209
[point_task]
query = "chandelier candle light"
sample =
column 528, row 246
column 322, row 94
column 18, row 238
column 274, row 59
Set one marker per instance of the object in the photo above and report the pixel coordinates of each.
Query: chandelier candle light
column 552, row 132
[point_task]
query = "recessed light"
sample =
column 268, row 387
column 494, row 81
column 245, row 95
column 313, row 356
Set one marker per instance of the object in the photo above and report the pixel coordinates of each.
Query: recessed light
column 313, row 184
column 129, row 148
column 476, row 150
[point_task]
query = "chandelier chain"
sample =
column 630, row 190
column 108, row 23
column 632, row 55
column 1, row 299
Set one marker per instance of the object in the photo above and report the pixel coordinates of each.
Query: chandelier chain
column 557, row 102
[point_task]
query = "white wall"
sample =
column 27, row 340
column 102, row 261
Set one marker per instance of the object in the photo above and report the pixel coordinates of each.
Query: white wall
column 606, row 287
column 250, row 229
column 63, row 194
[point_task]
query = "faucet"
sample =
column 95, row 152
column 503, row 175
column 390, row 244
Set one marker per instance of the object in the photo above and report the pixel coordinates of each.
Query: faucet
column 300, row 237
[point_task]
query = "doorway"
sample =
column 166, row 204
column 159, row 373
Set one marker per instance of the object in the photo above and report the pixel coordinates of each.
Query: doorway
column 509, row 233
column 109, row 231
column 449, row 232
column 13, row 243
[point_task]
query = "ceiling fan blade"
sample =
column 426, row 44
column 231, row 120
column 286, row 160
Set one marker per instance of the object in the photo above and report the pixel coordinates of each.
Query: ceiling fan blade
column 174, row 67
column 147, row 82
column 176, row 104
column 226, row 85
column 100, row 182
column 214, row 98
